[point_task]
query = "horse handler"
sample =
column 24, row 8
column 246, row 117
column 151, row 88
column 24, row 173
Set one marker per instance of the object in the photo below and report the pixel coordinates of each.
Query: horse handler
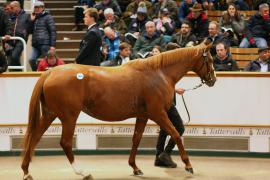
column 163, row 158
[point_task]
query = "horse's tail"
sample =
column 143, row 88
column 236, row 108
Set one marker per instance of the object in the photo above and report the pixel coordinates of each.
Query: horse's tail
column 34, row 113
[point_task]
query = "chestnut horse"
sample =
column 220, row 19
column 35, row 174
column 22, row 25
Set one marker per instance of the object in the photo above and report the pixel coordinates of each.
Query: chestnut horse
column 141, row 88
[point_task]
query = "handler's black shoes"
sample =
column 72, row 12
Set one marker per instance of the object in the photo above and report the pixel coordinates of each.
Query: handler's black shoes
column 159, row 163
column 166, row 159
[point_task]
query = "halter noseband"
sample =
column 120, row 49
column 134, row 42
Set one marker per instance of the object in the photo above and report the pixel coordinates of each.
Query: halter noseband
column 208, row 77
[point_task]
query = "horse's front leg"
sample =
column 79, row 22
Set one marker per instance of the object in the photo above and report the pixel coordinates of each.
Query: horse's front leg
column 167, row 126
column 137, row 136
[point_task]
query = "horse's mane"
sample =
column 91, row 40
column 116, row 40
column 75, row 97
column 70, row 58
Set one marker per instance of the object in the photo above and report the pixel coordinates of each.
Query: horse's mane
column 167, row 58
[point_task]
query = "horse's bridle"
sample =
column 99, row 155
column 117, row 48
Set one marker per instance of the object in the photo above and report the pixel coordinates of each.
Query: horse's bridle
column 208, row 77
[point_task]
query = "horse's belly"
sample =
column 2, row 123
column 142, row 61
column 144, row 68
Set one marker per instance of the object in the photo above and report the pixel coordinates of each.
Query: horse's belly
column 113, row 110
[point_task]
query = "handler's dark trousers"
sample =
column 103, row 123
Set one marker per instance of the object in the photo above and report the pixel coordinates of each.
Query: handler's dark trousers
column 178, row 124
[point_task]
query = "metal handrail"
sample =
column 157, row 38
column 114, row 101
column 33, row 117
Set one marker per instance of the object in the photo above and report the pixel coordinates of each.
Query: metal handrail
column 24, row 52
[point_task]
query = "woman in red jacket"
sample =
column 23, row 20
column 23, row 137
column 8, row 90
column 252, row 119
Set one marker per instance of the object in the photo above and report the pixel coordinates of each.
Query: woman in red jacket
column 50, row 61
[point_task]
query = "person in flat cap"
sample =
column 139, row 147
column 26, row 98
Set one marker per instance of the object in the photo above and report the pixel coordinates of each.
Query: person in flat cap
column 262, row 64
column 198, row 20
column 43, row 31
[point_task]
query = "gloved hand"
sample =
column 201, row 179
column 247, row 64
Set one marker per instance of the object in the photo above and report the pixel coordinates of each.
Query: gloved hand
column 252, row 42
column 266, row 16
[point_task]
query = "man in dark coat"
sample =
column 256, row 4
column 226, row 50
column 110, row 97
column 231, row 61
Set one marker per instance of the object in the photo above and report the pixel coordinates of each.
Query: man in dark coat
column 262, row 64
column 222, row 60
column 21, row 22
column 5, row 23
column 43, row 31
column 90, row 46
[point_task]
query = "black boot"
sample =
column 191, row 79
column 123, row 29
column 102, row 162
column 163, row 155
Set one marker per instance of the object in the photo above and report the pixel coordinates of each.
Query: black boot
column 159, row 163
column 166, row 159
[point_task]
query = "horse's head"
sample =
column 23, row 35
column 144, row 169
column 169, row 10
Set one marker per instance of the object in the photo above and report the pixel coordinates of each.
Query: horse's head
column 204, row 67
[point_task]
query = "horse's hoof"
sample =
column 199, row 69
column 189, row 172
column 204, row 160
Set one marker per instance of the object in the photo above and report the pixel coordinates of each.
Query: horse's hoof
column 28, row 177
column 89, row 177
column 138, row 172
column 190, row 170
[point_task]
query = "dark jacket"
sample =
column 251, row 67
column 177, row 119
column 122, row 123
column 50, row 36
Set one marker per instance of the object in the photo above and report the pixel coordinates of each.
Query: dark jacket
column 256, row 66
column 43, row 30
column 23, row 24
column 257, row 27
column 183, row 41
column 3, row 60
column 227, row 64
column 217, row 39
column 145, row 44
column 137, row 26
column 5, row 23
column 89, row 52
column 199, row 26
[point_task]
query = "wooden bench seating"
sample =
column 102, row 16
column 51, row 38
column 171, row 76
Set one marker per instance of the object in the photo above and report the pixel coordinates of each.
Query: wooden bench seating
column 215, row 15
column 244, row 55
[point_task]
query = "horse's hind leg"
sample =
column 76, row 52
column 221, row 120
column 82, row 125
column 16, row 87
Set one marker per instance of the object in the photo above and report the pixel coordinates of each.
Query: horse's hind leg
column 68, row 127
column 139, row 129
column 167, row 126
column 45, row 122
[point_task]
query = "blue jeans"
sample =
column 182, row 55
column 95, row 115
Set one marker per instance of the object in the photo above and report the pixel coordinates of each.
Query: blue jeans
column 36, row 53
column 260, row 43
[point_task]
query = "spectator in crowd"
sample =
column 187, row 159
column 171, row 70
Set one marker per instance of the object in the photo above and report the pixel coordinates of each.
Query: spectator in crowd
column 257, row 29
column 240, row 4
column 107, row 4
column 231, row 20
column 3, row 59
column 198, row 21
column 7, row 8
column 207, row 4
column 132, row 8
column 89, row 52
column 163, row 154
column 81, row 5
column 43, row 31
column 185, row 9
column 220, row 5
column 165, row 25
column 216, row 36
column 223, row 60
column 112, row 40
column 124, row 54
column 262, row 64
column 21, row 23
column 183, row 38
column 137, row 25
column 155, row 51
column 257, row 3
column 6, row 27
column 123, row 4
column 147, row 41
column 5, row 24
column 51, row 60
column 171, row 6
column 114, row 22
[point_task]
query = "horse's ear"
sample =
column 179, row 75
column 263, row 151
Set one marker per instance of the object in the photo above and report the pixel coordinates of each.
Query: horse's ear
column 208, row 42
